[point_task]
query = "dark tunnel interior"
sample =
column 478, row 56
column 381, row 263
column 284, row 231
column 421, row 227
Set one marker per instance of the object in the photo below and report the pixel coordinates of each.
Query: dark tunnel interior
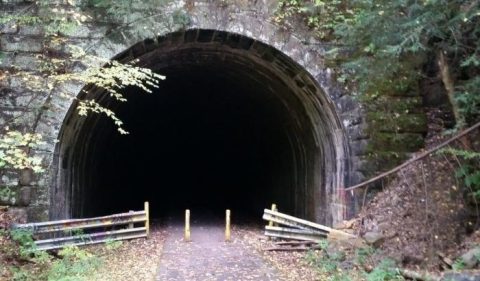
column 204, row 140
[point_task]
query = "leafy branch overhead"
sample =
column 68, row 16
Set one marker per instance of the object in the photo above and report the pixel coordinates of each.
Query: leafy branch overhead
column 74, row 66
column 108, row 75
column 14, row 148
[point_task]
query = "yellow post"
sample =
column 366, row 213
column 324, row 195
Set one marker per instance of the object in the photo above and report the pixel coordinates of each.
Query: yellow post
column 274, row 208
column 147, row 215
column 227, row 226
column 187, row 225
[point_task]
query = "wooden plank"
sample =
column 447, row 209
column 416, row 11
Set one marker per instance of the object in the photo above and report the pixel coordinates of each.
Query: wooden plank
column 95, row 238
column 286, row 222
column 340, row 235
column 295, row 230
column 83, row 243
column 298, row 221
column 70, row 222
column 110, row 233
column 294, row 236
column 62, row 228
column 294, row 243
column 294, row 249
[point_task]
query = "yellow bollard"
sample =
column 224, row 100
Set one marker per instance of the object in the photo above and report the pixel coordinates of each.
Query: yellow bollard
column 227, row 226
column 187, row 225
column 274, row 208
column 271, row 223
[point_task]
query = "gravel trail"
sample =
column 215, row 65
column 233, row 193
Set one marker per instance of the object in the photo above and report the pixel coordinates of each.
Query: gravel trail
column 208, row 257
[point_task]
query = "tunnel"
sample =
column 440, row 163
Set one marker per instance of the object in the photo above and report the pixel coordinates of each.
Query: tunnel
column 236, row 124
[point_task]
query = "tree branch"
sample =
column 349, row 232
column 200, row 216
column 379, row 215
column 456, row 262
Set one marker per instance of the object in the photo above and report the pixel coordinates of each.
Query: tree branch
column 421, row 156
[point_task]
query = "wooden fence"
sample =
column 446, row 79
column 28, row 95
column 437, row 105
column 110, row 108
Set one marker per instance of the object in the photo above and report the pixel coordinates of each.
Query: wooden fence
column 299, row 229
column 58, row 234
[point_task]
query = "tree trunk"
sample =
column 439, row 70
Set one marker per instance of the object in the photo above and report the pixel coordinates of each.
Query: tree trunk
column 449, row 87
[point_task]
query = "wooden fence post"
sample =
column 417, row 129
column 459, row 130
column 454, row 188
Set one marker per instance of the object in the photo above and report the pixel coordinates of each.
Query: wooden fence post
column 271, row 223
column 274, row 209
column 187, row 225
column 227, row 226
column 147, row 216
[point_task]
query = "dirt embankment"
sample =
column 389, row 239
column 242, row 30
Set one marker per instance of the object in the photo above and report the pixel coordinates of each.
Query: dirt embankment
column 422, row 212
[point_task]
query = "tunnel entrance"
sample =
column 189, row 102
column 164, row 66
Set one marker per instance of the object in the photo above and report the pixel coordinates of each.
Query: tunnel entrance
column 236, row 124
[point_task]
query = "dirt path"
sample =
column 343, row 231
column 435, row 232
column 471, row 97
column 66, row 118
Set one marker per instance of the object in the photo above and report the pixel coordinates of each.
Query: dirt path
column 208, row 258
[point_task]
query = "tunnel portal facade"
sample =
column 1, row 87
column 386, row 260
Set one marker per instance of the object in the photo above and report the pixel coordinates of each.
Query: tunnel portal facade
column 249, row 115
column 236, row 124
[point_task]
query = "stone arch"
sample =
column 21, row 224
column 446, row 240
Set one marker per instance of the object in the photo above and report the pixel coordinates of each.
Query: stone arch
column 317, row 139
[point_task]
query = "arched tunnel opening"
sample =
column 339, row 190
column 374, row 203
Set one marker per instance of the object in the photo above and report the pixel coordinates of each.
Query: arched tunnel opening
column 236, row 124
column 204, row 140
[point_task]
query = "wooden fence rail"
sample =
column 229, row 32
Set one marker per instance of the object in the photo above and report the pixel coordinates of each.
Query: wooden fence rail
column 58, row 234
column 299, row 229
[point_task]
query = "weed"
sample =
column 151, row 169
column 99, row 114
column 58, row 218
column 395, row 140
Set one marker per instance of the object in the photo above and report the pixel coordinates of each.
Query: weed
column 75, row 265
column 19, row 274
column 459, row 264
column 112, row 245
column 24, row 238
column 384, row 271
column 362, row 254
column 327, row 264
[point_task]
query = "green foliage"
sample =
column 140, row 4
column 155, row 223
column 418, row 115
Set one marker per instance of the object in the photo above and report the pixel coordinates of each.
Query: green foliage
column 471, row 178
column 382, row 45
column 19, row 274
column 320, row 16
column 323, row 244
column 14, row 147
column 385, row 271
column 147, row 18
column 458, row 264
column 71, row 263
column 110, row 76
column 136, row 18
column 363, row 254
column 465, row 154
column 17, row 19
column 75, row 265
column 468, row 97
column 24, row 238
column 6, row 193
column 327, row 265
column 58, row 20
column 112, row 245
column 468, row 171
